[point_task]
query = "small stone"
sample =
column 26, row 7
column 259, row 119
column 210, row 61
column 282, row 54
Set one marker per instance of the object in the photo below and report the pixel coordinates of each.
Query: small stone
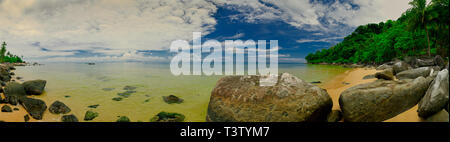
column 129, row 88
column 6, row 108
column 117, row 99
column 172, row 99
column 16, row 109
column 26, row 118
column 90, row 115
column 93, row 106
column 69, row 118
column 123, row 119
column 168, row 117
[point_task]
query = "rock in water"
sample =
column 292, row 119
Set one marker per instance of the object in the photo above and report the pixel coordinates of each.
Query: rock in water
column 382, row 99
column 414, row 73
column 172, row 99
column 400, row 66
column 34, row 107
column 90, row 115
column 14, row 92
column 436, row 97
column 58, row 107
column 69, row 118
column 6, row 108
column 34, row 87
column 285, row 98
column 168, row 117
column 123, row 119
column 386, row 74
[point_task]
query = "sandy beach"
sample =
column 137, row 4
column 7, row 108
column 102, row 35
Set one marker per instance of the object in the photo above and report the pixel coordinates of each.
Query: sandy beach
column 355, row 77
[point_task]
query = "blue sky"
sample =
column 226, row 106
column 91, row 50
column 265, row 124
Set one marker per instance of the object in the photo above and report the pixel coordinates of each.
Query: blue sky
column 142, row 30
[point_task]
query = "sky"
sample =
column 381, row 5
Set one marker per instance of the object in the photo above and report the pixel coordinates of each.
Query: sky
column 142, row 30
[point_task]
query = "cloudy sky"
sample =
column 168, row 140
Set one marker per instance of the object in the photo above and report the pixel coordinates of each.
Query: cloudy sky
column 142, row 30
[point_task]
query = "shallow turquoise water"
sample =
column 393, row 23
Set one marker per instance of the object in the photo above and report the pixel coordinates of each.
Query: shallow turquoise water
column 84, row 84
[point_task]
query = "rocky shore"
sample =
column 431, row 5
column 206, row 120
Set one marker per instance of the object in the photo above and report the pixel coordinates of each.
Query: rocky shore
column 396, row 87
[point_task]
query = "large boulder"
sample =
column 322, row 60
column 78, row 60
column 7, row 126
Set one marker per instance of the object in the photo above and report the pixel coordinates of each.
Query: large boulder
column 58, row 107
column 386, row 74
column 34, row 87
column 436, row 97
column 34, row 107
column 400, row 66
column 414, row 73
column 436, row 61
column 13, row 93
column 273, row 98
column 382, row 99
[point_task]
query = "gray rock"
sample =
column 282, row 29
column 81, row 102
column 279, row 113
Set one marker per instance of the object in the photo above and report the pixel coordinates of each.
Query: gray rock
column 254, row 99
column 34, row 87
column 441, row 116
column 382, row 99
column 414, row 73
column 14, row 92
column 58, row 107
column 436, row 97
column 400, row 66
column 34, row 107
column 386, row 74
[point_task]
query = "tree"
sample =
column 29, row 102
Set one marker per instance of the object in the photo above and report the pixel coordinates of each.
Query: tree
column 419, row 20
column 2, row 52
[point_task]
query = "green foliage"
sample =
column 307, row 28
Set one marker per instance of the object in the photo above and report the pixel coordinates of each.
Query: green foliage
column 422, row 30
column 8, row 57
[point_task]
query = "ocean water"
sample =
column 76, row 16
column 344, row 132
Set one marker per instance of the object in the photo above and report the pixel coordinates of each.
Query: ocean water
column 85, row 85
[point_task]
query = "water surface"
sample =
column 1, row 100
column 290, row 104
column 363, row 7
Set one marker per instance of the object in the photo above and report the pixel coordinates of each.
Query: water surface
column 84, row 84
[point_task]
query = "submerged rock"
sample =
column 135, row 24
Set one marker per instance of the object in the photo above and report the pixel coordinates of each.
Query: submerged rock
column 123, row 119
column 436, row 97
column 58, row 107
column 129, row 88
column 172, row 99
column 168, row 117
column 34, row 87
column 117, row 99
column 69, row 118
column 126, row 94
column 90, row 115
column 108, row 89
column 93, row 106
column 283, row 98
column 6, row 108
column 386, row 74
column 34, row 107
column 382, row 99
column 414, row 73
column 14, row 92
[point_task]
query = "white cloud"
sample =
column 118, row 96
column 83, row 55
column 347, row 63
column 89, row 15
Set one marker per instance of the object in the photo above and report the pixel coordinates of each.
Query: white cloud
column 117, row 24
column 315, row 16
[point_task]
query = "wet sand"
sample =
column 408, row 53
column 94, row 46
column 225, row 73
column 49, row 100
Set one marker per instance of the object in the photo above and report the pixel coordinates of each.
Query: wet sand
column 355, row 77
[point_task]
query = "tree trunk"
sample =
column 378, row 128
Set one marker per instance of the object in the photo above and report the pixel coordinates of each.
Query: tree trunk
column 428, row 39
